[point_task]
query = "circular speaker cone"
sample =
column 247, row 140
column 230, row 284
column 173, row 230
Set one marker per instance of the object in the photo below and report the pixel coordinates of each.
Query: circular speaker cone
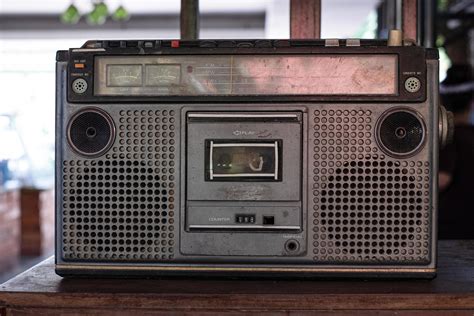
column 91, row 132
column 400, row 132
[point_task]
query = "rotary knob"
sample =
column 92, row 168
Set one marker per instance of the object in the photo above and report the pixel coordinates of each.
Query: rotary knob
column 446, row 126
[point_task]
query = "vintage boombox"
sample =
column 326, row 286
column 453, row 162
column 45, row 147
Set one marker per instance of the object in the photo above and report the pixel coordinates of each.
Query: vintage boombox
column 247, row 158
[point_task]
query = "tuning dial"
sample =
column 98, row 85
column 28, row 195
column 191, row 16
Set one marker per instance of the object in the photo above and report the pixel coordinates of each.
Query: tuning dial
column 446, row 127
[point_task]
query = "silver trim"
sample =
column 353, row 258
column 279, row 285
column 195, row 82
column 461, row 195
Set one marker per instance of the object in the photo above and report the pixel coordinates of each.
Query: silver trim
column 265, row 268
column 211, row 172
column 242, row 145
column 276, row 160
column 212, row 175
column 244, row 175
column 202, row 115
column 88, row 50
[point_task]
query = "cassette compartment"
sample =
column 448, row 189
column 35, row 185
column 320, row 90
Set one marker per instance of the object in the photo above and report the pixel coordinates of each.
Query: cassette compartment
column 243, row 171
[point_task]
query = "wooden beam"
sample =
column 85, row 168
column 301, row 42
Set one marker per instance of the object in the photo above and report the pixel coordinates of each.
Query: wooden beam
column 305, row 19
column 410, row 20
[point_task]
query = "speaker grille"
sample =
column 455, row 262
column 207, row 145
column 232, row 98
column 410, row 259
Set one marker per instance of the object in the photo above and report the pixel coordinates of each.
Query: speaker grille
column 90, row 132
column 401, row 133
column 122, row 207
column 367, row 208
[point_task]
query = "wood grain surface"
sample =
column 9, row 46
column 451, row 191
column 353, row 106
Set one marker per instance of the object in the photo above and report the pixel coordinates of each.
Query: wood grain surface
column 40, row 291
column 9, row 229
column 305, row 19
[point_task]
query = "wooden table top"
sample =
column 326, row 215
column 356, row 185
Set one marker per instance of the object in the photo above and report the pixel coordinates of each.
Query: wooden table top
column 453, row 289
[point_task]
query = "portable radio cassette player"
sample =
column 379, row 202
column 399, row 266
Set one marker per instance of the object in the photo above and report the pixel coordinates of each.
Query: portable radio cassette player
column 247, row 158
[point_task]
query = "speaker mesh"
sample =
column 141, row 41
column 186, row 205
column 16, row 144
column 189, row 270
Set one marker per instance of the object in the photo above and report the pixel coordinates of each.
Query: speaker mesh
column 122, row 207
column 90, row 132
column 401, row 132
column 367, row 208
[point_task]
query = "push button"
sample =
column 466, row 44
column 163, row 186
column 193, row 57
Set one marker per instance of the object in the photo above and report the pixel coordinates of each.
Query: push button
column 282, row 43
column 114, row 43
column 245, row 44
column 353, row 42
column 175, row 44
column 207, row 44
column 227, row 44
column 148, row 44
column 263, row 43
column 331, row 42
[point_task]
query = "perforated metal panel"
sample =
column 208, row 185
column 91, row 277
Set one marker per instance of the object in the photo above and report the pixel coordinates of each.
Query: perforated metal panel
column 366, row 207
column 121, row 206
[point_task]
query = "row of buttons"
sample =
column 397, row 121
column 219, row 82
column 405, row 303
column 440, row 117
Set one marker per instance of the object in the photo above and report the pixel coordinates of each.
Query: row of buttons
column 205, row 43
column 229, row 43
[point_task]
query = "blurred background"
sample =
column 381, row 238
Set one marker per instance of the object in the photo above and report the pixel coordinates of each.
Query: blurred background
column 31, row 32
